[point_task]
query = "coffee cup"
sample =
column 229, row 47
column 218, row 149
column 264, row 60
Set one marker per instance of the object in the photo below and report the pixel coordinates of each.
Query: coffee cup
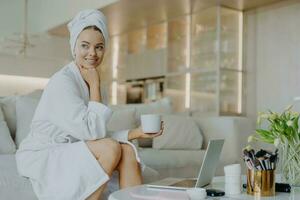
column 151, row 123
column 232, row 179
column 232, row 170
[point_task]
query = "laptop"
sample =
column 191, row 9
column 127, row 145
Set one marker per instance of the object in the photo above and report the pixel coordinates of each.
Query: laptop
column 206, row 173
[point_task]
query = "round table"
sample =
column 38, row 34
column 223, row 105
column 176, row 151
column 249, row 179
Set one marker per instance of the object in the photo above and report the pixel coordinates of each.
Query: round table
column 142, row 192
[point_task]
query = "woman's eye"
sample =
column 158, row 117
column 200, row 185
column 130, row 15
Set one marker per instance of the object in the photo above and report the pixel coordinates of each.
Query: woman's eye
column 85, row 46
column 99, row 48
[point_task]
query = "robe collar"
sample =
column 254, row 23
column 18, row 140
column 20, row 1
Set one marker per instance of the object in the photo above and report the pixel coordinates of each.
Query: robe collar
column 80, row 80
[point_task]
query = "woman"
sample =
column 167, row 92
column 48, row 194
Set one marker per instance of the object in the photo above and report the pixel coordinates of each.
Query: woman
column 66, row 155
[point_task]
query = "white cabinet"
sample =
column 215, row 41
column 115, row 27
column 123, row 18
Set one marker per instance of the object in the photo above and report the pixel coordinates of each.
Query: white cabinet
column 199, row 54
column 206, row 57
column 149, row 63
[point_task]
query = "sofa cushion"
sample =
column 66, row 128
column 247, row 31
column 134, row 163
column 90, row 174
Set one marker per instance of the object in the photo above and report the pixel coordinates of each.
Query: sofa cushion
column 8, row 105
column 173, row 163
column 180, row 132
column 25, row 107
column 12, row 185
column 122, row 119
column 7, row 145
column 163, row 158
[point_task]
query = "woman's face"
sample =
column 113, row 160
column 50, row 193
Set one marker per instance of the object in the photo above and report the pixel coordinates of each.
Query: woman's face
column 89, row 48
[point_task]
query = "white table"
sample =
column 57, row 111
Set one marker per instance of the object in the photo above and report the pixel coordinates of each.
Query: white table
column 143, row 193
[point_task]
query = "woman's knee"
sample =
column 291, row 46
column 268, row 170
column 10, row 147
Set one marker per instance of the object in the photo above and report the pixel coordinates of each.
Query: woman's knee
column 128, row 153
column 105, row 149
column 109, row 154
column 113, row 149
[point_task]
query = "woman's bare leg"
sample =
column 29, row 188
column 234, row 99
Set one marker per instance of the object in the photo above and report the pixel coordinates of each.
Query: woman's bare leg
column 129, row 168
column 108, row 153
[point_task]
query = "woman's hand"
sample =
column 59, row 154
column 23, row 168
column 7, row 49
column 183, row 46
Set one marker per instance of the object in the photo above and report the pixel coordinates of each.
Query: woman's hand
column 92, row 78
column 90, row 75
column 138, row 133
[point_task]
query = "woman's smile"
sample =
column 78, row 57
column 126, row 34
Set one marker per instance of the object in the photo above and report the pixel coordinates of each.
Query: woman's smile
column 91, row 61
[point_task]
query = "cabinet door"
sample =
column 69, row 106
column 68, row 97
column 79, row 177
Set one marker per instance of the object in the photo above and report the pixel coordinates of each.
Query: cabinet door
column 204, row 93
column 230, row 88
column 204, row 39
column 231, row 39
column 157, row 36
column 137, row 41
column 230, row 92
column 178, row 44
column 175, row 89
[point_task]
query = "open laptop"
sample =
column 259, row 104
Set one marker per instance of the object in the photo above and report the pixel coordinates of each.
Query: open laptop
column 206, row 173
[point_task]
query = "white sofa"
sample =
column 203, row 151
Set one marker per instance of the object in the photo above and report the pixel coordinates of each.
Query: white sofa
column 160, row 162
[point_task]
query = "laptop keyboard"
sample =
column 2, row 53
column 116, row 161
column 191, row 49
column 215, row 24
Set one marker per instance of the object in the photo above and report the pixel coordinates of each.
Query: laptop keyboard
column 185, row 183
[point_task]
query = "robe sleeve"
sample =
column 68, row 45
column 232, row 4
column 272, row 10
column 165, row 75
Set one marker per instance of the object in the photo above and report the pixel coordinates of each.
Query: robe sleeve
column 68, row 110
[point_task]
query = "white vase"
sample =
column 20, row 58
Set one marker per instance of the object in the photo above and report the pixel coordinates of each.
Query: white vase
column 290, row 162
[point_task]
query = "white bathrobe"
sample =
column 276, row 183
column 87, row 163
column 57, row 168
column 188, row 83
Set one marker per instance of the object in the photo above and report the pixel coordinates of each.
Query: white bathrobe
column 54, row 155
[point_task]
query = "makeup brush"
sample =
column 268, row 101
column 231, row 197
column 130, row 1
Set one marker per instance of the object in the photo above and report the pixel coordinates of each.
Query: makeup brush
column 252, row 154
column 257, row 164
column 273, row 161
column 260, row 153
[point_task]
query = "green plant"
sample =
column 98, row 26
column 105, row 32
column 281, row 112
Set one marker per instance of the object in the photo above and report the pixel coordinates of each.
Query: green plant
column 281, row 127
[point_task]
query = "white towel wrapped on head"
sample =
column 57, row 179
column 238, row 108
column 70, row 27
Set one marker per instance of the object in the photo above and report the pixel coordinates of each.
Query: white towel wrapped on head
column 86, row 18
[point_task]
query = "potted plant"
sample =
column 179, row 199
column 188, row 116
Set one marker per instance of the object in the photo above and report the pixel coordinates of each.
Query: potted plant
column 282, row 131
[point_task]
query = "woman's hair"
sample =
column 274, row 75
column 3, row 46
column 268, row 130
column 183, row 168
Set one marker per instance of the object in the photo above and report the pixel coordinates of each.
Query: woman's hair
column 93, row 27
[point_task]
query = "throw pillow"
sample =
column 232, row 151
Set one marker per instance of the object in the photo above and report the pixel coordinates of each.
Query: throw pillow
column 180, row 132
column 122, row 119
column 25, row 107
column 36, row 94
column 7, row 145
column 8, row 105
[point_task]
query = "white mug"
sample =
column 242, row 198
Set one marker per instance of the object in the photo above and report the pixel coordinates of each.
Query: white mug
column 233, row 188
column 232, row 170
column 151, row 123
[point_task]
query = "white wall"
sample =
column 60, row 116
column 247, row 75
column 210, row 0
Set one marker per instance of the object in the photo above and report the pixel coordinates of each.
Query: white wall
column 11, row 14
column 272, row 57
column 48, row 55
column 20, row 75
column 47, row 14
column 18, row 85
column 42, row 15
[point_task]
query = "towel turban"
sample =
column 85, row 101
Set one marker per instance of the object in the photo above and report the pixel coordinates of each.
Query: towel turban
column 85, row 18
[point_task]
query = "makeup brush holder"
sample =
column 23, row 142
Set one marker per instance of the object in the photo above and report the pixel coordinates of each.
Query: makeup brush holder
column 261, row 182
